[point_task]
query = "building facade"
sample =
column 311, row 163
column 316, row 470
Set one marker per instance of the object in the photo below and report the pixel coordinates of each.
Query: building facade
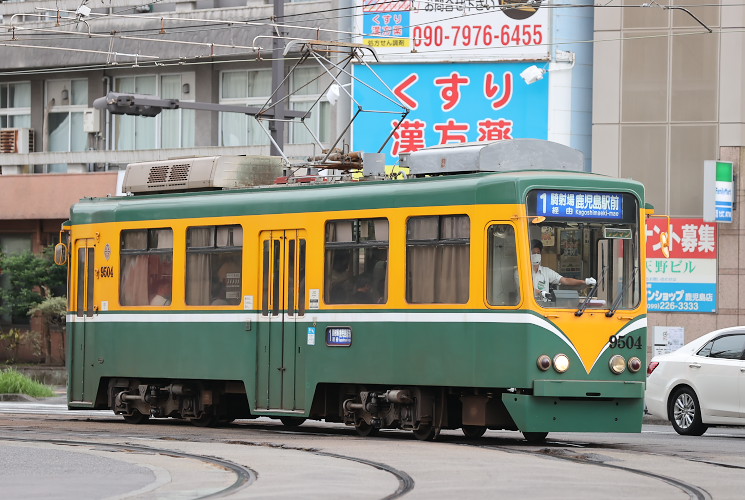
column 667, row 96
column 56, row 63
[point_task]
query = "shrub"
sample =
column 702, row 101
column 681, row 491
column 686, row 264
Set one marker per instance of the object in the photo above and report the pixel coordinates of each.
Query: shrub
column 13, row 382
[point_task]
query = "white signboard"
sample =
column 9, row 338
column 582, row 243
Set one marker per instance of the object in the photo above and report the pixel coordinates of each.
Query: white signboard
column 440, row 30
column 668, row 339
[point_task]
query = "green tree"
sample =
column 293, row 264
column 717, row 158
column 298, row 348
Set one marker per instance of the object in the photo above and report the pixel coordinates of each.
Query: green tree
column 27, row 280
column 53, row 311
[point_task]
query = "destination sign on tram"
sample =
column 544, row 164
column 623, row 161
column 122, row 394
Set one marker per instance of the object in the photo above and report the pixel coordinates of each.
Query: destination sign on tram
column 579, row 204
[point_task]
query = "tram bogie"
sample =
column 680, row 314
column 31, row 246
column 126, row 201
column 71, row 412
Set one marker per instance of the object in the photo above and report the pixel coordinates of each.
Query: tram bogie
column 203, row 403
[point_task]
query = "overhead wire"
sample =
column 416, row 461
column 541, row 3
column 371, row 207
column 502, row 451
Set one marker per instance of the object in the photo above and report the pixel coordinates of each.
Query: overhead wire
column 225, row 24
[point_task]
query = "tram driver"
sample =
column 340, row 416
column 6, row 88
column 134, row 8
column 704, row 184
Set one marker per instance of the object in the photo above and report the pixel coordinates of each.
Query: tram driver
column 543, row 276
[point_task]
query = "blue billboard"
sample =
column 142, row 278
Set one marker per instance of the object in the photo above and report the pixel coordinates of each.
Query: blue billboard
column 449, row 103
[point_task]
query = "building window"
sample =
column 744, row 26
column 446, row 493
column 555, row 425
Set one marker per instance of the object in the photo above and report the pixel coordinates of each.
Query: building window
column 306, row 87
column 213, row 265
column 146, row 267
column 253, row 88
column 172, row 128
column 15, row 243
column 247, row 88
column 15, row 105
column 176, row 125
column 356, row 261
column 437, row 259
column 66, row 101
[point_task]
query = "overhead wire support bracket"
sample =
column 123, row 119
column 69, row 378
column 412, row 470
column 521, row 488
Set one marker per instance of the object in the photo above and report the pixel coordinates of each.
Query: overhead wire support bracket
column 321, row 51
column 654, row 3
column 149, row 105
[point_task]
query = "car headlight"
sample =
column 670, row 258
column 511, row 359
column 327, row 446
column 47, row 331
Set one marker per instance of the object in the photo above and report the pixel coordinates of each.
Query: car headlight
column 617, row 364
column 561, row 363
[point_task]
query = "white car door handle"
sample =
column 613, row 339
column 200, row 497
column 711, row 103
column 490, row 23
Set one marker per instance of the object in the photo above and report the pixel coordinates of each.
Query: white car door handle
column 694, row 365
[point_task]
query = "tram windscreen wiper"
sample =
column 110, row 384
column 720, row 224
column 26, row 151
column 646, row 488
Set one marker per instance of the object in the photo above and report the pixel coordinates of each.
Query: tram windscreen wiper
column 593, row 291
column 617, row 302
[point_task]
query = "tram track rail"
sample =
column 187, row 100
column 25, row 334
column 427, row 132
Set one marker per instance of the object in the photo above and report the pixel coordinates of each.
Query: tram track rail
column 244, row 476
column 561, row 453
column 405, row 482
column 577, row 452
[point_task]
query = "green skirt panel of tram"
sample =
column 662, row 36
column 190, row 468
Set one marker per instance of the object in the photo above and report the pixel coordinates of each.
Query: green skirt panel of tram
column 457, row 354
column 554, row 414
column 281, row 364
column 156, row 350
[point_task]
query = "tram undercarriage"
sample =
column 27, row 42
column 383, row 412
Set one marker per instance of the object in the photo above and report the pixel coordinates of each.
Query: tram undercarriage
column 203, row 403
column 423, row 410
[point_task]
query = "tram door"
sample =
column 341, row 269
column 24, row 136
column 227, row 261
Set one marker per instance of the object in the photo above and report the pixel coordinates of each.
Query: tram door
column 280, row 380
column 83, row 277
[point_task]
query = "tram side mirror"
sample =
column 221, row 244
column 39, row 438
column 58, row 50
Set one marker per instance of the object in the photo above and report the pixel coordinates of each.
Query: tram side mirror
column 60, row 254
column 665, row 237
column 665, row 244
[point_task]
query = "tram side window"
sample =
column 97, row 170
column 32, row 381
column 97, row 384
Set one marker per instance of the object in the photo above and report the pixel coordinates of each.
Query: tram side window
column 501, row 272
column 437, row 259
column 356, row 262
column 213, row 265
column 146, row 267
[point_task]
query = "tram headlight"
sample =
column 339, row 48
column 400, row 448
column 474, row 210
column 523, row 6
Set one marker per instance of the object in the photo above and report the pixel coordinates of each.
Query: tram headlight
column 617, row 364
column 561, row 363
column 635, row 364
column 544, row 362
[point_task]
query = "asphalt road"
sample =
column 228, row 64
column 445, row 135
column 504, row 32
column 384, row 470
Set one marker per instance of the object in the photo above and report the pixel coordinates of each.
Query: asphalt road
column 49, row 452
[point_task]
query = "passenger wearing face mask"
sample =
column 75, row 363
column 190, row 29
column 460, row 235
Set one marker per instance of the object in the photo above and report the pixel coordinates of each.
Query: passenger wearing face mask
column 544, row 276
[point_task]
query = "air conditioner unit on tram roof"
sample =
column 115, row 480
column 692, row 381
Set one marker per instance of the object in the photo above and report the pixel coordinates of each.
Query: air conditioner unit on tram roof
column 202, row 174
column 497, row 156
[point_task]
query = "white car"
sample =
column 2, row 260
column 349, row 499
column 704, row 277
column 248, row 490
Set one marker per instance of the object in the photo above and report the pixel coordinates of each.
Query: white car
column 701, row 384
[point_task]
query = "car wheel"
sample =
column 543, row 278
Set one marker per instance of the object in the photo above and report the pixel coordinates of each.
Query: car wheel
column 685, row 413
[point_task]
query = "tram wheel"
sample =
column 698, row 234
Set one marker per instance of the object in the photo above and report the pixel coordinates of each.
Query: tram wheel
column 535, row 437
column 206, row 420
column 365, row 430
column 425, row 432
column 473, row 431
column 136, row 418
column 292, row 421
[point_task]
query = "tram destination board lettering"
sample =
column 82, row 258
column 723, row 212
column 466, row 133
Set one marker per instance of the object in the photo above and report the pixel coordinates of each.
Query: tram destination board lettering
column 339, row 336
column 579, row 204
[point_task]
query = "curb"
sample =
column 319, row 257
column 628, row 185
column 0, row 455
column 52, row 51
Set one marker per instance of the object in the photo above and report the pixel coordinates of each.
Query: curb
column 16, row 397
column 654, row 420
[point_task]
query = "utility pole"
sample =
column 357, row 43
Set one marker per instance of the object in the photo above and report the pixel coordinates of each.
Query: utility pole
column 277, row 126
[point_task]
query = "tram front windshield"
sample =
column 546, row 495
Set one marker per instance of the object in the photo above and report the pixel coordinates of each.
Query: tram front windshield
column 593, row 243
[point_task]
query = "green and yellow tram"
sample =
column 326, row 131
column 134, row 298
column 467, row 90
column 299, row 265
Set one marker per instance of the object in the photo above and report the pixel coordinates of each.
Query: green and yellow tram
column 382, row 304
